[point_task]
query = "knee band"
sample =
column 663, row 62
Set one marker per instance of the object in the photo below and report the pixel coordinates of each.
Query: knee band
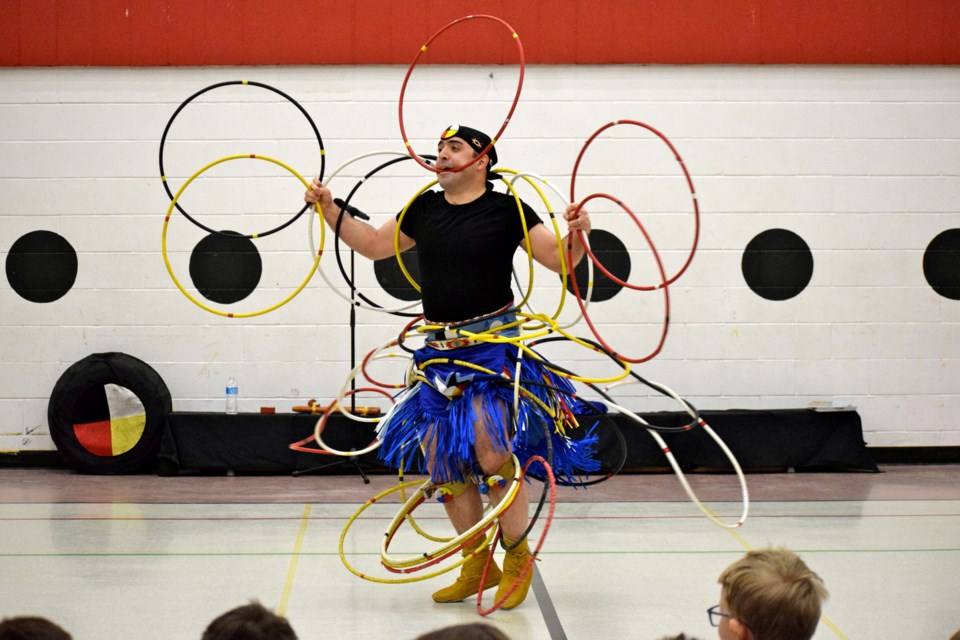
column 450, row 490
column 499, row 479
column 507, row 469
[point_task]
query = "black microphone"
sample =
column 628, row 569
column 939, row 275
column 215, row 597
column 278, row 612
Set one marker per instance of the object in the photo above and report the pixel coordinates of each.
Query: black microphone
column 352, row 210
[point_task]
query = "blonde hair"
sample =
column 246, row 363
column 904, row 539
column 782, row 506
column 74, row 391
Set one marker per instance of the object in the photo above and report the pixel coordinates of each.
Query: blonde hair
column 774, row 594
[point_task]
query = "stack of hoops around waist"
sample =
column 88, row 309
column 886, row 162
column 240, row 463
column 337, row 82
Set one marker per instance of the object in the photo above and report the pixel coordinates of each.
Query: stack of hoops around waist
column 445, row 337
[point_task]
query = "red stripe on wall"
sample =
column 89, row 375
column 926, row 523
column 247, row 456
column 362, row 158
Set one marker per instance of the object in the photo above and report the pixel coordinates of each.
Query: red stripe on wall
column 9, row 33
column 253, row 32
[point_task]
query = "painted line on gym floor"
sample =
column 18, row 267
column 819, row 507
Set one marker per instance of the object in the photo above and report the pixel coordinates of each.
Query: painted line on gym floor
column 549, row 612
column 294, row 561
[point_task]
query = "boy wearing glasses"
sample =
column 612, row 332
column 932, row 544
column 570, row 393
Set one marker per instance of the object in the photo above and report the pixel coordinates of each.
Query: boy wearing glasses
column 769, row 594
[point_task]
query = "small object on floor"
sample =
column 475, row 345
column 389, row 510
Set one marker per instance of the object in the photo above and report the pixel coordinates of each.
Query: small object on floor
column 314, row 408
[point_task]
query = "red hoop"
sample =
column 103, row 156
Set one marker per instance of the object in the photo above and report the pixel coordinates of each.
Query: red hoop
column 300, row 445
column 493, row 140
column 663, row 285
column 534, row 553
column 683, row 167
column 366, row 361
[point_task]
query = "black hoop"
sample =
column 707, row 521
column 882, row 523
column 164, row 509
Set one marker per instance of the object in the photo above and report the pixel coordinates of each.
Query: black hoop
column 336, row 237
column 166, row 130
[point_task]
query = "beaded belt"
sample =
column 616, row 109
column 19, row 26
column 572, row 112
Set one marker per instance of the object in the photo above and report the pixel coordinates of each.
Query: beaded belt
column 450, row 338
column 454, row 343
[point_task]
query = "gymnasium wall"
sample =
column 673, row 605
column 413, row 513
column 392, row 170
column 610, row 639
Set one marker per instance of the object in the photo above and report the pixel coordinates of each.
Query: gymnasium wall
column 859, row 161
column 252, row 32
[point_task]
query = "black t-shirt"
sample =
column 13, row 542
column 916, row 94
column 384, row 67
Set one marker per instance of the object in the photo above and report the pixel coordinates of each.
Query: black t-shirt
column 466, row 252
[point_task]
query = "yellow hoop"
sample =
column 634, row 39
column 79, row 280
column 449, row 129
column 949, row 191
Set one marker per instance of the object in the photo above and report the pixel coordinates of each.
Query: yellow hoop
column 409, row 578
column 166, row 224
column 409, row 563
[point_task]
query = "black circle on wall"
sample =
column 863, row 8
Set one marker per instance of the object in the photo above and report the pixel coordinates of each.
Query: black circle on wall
column 941, row 264
column 393, row 281
column 777, row 264
column 107, row 413
column 225, row 268
column 41, row 266
column 612, row 254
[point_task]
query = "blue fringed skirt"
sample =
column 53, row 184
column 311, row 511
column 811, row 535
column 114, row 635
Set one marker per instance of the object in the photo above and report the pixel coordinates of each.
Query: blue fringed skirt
column 441, row 407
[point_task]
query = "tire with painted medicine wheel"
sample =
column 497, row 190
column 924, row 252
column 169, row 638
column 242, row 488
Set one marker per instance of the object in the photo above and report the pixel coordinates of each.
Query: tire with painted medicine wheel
column 107, row 413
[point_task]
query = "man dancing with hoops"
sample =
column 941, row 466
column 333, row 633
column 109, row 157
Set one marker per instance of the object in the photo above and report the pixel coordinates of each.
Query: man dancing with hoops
column 460, row 412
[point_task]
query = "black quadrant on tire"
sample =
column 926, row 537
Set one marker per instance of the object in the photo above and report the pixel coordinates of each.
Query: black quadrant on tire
column 107, row 412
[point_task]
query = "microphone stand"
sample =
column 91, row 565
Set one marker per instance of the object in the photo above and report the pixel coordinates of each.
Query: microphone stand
column 356, row 213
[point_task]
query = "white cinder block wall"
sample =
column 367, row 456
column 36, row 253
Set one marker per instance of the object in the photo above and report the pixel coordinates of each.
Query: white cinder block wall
column 862, row 162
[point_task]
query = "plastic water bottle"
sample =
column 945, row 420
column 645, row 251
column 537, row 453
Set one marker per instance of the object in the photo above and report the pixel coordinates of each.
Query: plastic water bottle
column 233, row 395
